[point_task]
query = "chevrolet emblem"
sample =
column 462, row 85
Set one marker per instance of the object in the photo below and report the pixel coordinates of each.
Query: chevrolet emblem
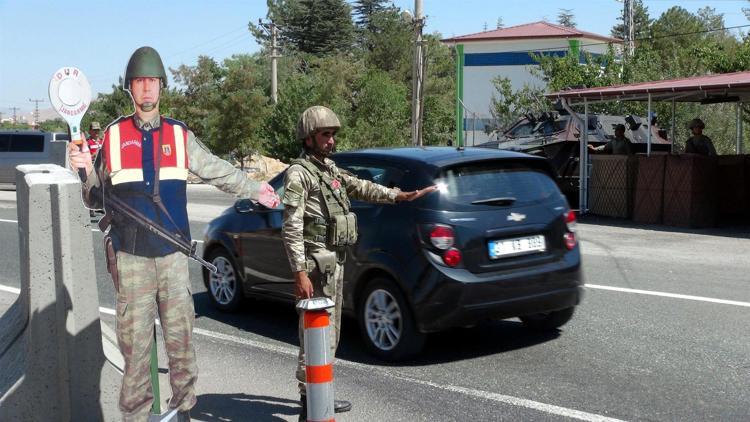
column 514, row 216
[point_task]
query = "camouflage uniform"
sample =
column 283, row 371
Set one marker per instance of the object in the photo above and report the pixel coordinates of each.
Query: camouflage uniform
column 151, row 285
column 617, row 146
column 304, row 204
column 700, row 144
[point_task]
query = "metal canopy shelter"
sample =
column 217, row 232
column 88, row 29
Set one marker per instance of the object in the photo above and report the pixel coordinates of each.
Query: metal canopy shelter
column 710, row 89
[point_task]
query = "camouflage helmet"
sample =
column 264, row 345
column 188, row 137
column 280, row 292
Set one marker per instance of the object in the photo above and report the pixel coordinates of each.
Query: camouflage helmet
column 95, row 126
column 314, row 118
column 696, row 123
column 145, row 63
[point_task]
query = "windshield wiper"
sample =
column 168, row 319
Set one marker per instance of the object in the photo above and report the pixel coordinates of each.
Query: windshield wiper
column 504, row 200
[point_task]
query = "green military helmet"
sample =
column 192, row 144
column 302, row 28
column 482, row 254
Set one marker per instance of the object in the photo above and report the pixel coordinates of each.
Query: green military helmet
column 95, row 126
column 315, row 118
column 145, row 63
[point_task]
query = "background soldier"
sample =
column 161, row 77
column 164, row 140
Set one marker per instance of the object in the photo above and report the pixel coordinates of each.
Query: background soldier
column 699, row 143
column 94, row 140
column 318, row 224
column 144, row 160
column 618, row 146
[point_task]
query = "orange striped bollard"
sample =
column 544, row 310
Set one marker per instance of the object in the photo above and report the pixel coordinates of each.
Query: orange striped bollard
column 318, row 359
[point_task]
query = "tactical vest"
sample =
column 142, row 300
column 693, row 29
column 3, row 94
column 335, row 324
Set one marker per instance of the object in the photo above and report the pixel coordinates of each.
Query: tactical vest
column 340, row 229
column 131, row 157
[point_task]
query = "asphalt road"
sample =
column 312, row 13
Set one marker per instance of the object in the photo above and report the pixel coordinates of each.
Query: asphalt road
column 661, row 335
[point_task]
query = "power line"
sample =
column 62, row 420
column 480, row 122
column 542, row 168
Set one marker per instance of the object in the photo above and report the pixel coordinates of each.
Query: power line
column 14, row 109
column 36, row 109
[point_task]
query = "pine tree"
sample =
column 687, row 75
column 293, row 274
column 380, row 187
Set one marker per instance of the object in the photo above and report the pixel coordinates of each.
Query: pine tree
column 566, row 18
column 641, row 22
column 319, row 27
column 365, row 9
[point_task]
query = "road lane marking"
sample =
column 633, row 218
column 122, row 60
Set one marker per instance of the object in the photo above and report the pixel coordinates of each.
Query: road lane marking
column 93, row 230
column 14, row 290
column 479, row 394
column 502, row 398
column 669, row 295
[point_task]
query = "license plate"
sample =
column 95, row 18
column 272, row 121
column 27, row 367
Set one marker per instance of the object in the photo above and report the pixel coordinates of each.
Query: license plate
column 519, row 246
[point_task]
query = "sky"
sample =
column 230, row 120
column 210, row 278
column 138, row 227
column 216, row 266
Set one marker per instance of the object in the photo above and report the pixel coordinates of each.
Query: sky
column 38, row 37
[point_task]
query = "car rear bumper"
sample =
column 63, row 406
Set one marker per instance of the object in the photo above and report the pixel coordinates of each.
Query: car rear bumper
column 460, row 298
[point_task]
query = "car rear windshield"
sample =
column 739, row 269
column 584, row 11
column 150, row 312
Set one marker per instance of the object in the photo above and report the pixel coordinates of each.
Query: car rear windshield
column 494, row 184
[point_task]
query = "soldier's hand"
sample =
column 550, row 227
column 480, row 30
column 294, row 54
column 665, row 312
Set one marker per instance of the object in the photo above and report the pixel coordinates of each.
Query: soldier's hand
column 415, row 194
column 303, row 288
column 80, row 157
column 267, row 196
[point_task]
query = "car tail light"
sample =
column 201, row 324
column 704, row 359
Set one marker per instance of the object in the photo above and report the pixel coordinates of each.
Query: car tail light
column 442, row 237
column 571, row 226
column 570, row 221
column 452, row 257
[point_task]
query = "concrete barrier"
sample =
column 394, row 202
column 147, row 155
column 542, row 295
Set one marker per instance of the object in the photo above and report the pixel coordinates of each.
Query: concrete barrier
column 52, row 367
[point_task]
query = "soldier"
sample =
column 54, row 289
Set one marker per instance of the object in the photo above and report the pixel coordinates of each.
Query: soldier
column 318, row 223
column 94, row 140
column 144, row 161
column 618, row 146
column 699, row 143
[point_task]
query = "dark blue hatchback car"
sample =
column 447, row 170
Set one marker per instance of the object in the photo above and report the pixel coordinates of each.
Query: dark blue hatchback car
column 496, row 241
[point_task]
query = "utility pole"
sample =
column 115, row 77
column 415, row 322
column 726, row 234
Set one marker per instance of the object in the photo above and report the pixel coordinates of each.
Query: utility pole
column 628, row 27
column 14, row 110
column 36, row 110
column 417, row 75
column 272, row 30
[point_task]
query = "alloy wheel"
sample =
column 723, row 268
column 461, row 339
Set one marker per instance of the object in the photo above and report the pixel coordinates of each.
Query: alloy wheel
column 383, row 319
column 223, row 284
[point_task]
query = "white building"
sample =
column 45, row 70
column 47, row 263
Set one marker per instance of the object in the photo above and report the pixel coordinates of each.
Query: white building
column 505, row 52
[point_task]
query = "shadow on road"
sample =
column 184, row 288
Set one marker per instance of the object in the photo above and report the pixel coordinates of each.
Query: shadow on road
column 242, row 407
column 738, row 228
column 278, row 321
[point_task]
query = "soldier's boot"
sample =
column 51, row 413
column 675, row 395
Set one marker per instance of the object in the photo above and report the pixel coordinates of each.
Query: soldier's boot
column 303, row 411
column 339, row 406
column 183, row 416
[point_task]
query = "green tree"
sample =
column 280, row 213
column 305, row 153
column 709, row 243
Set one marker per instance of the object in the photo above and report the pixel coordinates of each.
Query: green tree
column 237, row 119
column 389, row 44
column 364, row 11
column 380, row 113
column 641, row 22
column 198, row 95
column 507, row 105
column 566, row 18
column 54, row 125
column 319, row 27
column 439, row 120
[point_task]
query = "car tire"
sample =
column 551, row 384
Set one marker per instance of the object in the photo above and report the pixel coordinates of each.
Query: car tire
column 225, row 288
column 386, row 322
column 548, row 321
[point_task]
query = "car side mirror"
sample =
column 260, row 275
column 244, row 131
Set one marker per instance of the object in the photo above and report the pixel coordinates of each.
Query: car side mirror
column 244, row 206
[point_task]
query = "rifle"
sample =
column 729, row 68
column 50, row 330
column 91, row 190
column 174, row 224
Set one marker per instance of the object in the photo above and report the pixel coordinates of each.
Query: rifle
column 115, row 204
